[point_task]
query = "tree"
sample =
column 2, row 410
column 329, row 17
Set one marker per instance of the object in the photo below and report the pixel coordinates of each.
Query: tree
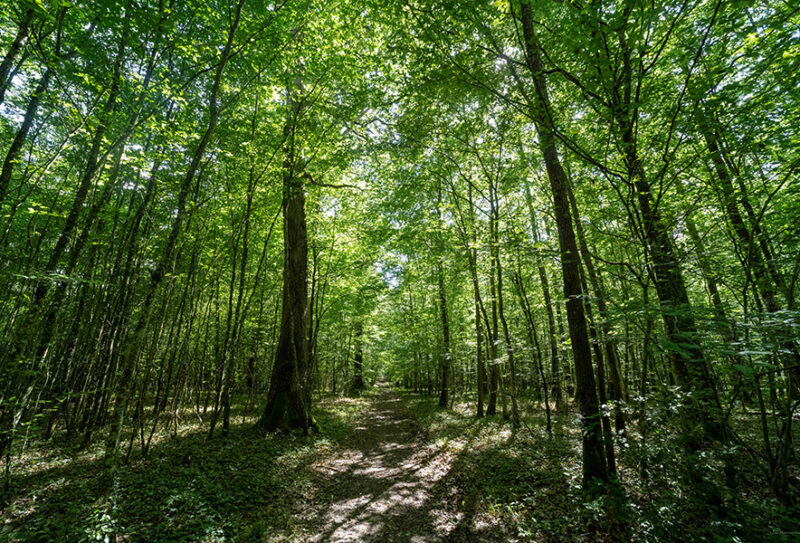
column 358, row 359
column 594, row 461
column 289, row 397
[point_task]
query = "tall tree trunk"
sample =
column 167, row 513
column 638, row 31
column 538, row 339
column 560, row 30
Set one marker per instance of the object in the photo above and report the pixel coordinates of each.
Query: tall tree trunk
column 11, row 55
column 608, row 438
column 533, row 338
column 472, row 255
column 726, row 329
column 12, row 155
column 133, row 345
column 763, row 277
column 492, row 329
column 615, row 390
column 594, row 462
column 45, row 326
column 237, row 314
column 289, row 397
column 358, row 359
column 515, row 420
column 548, row 304
column 444, row 397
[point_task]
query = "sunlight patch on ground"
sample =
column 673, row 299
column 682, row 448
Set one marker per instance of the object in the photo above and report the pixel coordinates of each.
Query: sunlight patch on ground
column 387, row 488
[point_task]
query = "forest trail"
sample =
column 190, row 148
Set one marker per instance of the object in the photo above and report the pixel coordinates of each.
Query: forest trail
column 388, row 485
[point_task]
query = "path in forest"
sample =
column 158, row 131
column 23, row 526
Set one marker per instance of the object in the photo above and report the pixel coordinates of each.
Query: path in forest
column 388, row 485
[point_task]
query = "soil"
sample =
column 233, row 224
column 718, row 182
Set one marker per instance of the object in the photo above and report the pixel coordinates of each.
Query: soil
column 388, row 484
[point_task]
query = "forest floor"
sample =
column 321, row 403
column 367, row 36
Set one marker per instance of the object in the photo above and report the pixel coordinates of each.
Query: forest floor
column 388, row 466
column 389, row 484
column 370, row 475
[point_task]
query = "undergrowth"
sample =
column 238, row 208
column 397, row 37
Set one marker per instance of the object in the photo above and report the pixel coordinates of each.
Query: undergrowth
column 532, row 481
column 188, row 489
column 250, row 489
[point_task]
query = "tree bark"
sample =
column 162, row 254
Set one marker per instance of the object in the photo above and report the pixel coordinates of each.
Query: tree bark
column 13, row 51
column 289, row 398
column 615, row 390
column 358, row 359
column 594, row 462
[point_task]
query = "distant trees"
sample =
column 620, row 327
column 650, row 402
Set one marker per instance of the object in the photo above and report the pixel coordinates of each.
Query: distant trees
column 358, row 359
column 631, row 149
column 518, row 205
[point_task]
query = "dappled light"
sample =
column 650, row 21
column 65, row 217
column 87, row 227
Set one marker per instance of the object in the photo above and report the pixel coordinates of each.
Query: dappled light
column 343, row 271
column 386, row 489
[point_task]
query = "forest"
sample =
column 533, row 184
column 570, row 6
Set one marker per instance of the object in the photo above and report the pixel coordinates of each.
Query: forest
column 406, row 270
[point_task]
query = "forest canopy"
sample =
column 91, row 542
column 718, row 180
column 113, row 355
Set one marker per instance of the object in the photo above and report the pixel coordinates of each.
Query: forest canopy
column 558, row 242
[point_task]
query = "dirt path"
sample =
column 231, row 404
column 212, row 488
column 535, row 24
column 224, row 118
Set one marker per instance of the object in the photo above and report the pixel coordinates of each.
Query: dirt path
column 388, row 486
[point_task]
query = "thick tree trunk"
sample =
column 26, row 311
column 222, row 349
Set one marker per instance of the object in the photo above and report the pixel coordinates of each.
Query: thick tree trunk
column 594, row 462
column 289, row 397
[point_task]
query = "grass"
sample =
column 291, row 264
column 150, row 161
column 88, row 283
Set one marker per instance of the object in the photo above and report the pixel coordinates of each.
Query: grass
column 531, row 481
column 189, row 488
column 527, row 480
column 247, row 488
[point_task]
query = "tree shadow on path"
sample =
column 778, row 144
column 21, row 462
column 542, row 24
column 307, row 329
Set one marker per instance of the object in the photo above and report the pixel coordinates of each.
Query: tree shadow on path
column 390, row 486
